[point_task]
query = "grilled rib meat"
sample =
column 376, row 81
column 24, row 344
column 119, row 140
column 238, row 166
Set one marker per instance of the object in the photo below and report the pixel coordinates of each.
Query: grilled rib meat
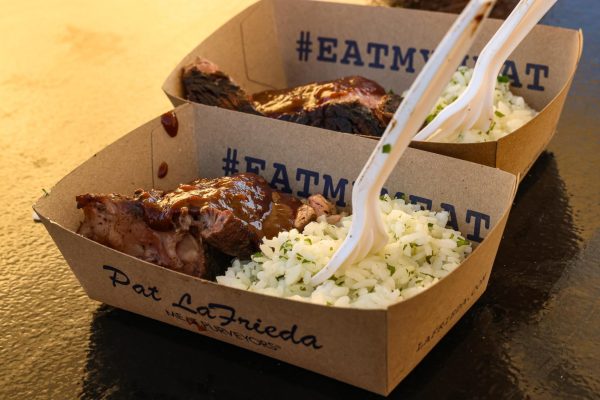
column 352, row 104
column 118, row 221
column 195, row 228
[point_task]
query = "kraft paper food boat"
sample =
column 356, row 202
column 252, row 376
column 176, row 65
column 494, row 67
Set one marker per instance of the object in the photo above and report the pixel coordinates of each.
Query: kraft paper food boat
column 372, row 349
column 282, row 43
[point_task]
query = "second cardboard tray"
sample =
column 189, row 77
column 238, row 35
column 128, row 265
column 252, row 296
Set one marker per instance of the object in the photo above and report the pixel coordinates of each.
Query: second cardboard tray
column 275, row 44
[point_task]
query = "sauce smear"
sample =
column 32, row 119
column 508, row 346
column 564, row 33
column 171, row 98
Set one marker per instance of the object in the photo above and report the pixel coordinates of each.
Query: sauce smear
column 170, row 123
column 163, row 168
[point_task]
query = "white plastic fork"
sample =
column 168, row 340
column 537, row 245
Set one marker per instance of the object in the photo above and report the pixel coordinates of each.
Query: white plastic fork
column 474, row 107
column 367, row 232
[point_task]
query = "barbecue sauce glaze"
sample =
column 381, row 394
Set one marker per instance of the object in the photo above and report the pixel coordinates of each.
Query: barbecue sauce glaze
column 274, row 103
column 249, row 197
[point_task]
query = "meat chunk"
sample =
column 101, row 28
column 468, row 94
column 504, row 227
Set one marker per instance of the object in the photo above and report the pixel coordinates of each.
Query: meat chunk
column 193, row 228
column 205, row 84
column 227, row 233
column 118, row 222
column 352, row 104
column 317, row 206
column 321, row 205
column 388, row 106
column 262, row 210
column 341, row 117
column 304, row 216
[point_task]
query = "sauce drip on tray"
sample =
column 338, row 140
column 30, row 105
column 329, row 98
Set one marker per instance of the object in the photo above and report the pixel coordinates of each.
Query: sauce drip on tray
column 170, row 123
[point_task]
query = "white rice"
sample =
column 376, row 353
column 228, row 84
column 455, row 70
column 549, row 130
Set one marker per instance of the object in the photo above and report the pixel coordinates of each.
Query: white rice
column 510, row 111
column 420, row 251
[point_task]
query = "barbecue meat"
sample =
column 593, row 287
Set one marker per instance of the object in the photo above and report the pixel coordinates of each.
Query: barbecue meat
column 350, row 117
column 197, row 227
column 352, row 104
column 205, row 84
column 118, row 221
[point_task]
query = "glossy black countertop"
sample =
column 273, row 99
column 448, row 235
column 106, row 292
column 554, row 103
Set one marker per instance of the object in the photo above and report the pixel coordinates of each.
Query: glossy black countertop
column 75, row 76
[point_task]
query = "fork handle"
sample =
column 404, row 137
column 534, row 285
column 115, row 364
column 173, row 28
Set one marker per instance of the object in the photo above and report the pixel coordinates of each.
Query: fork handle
column 421, row 97
column 510, row 34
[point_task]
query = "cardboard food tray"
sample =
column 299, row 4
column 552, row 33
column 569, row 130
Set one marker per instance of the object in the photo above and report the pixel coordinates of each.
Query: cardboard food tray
column 372, row 349
column 275, row 44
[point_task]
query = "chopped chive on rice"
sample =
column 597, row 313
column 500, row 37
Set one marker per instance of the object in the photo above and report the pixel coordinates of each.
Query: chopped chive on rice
column 462, row 242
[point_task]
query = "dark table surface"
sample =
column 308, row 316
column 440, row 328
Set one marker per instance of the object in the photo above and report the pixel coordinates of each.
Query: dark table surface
column 76, row 75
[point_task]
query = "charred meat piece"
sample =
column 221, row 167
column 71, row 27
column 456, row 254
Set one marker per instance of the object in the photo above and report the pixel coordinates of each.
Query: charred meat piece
column 205, row 84
column 193, row 228
column 341, row 117
column 352, row 104
column 388, row 106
